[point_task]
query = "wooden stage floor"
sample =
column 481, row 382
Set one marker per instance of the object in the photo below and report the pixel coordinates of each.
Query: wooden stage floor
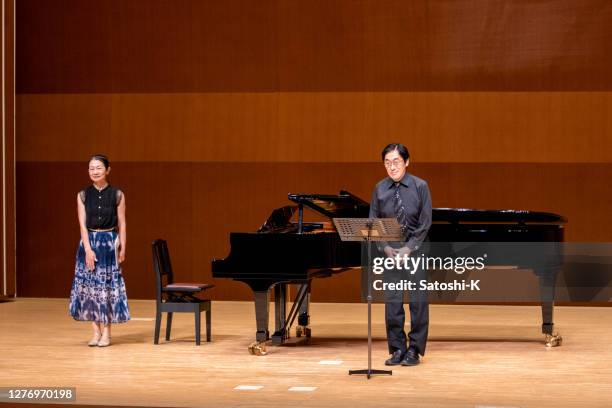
column 477, row 356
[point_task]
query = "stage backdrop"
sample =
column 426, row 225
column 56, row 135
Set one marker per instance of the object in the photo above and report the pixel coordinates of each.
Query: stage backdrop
column 212, row 111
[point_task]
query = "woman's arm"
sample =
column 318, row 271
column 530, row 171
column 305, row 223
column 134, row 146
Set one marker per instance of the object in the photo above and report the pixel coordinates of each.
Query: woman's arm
column 122, row 228
column 90, row 256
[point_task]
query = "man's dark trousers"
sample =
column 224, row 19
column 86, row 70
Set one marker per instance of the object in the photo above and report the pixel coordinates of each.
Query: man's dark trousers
column 395, row 315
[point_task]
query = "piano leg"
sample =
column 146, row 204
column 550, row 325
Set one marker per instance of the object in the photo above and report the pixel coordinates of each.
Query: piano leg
column 280, row 313
column 303, row 325
column 262, row 310
column 547, row 317
column 551, row 339
column 283, row 322
column 547, row 295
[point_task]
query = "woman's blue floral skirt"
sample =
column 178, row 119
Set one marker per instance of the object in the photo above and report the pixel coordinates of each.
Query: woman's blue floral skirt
column 99, row 295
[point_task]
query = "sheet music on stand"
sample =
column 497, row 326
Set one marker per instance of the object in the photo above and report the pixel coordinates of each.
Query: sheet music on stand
column 356, row 229
column 368, row 230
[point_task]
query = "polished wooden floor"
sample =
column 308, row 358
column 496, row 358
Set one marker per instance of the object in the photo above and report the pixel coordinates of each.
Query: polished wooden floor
column 478, row 356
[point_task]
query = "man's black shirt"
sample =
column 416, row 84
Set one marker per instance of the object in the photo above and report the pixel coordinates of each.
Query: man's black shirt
column 416, row 199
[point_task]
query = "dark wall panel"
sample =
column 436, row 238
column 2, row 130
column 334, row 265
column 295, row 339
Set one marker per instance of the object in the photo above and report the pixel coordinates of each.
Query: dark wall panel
column 195, row 206
column 289, row 45
column 8, row 159
column 3, row 271
column 146, row 45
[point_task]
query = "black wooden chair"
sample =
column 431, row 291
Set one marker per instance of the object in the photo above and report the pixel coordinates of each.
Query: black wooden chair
column 177, row 297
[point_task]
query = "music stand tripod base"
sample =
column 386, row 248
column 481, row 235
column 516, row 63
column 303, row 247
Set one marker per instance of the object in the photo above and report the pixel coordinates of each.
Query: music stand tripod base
column 371, row 372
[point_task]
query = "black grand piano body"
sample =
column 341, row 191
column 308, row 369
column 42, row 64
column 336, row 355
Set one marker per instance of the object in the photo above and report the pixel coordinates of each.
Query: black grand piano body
column 283, row 252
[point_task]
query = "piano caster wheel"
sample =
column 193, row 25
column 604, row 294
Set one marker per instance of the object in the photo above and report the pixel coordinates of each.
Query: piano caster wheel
column 298, row 331
column 258, row 349
column 553, row 340
column 307, row 332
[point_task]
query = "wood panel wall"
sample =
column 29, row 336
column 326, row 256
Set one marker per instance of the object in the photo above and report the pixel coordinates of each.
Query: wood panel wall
column 7, row 159
column 211, row 112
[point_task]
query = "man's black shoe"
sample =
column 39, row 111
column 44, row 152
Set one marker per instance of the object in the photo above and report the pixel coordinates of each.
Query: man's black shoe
column 396, row 358
column 411, row 358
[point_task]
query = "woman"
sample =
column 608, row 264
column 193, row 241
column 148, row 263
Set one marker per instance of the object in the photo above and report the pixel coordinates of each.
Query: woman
column 98, row 290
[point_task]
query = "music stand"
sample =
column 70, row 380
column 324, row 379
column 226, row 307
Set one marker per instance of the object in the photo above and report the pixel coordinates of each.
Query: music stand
column 368, row 230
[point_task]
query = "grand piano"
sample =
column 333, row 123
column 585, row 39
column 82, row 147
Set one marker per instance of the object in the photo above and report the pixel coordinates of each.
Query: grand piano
column 283, row 252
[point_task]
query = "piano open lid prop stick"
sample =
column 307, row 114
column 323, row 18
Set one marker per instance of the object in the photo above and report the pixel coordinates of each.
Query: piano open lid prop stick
column 282, row 252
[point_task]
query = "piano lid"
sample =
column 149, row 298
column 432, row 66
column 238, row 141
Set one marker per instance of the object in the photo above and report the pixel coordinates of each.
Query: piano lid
column 341, row 205
column 469, row 215
column 278, row 219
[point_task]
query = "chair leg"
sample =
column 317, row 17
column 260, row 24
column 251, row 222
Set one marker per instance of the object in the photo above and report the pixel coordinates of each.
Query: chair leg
column 157, row 327
column 197, row 327
column 208, row 324
column 168, row 325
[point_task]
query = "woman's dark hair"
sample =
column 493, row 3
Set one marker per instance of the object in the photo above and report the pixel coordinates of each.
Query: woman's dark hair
column 401, row 149
column 102, row 158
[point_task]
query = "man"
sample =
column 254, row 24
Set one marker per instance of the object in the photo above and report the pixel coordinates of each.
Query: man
column 405, row 197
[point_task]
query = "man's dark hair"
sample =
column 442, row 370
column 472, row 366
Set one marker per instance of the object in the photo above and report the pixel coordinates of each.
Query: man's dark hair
column 401, row 149
column 102, row 158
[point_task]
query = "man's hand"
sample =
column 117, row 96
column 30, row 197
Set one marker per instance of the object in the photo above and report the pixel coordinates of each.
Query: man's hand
column 404, row 251
column 390, row 252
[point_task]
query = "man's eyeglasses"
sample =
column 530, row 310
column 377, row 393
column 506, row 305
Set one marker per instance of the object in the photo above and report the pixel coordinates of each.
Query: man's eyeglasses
column 394, row 163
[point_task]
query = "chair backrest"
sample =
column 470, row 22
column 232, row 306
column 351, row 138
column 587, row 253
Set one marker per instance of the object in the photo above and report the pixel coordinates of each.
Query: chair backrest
column 162, row 266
